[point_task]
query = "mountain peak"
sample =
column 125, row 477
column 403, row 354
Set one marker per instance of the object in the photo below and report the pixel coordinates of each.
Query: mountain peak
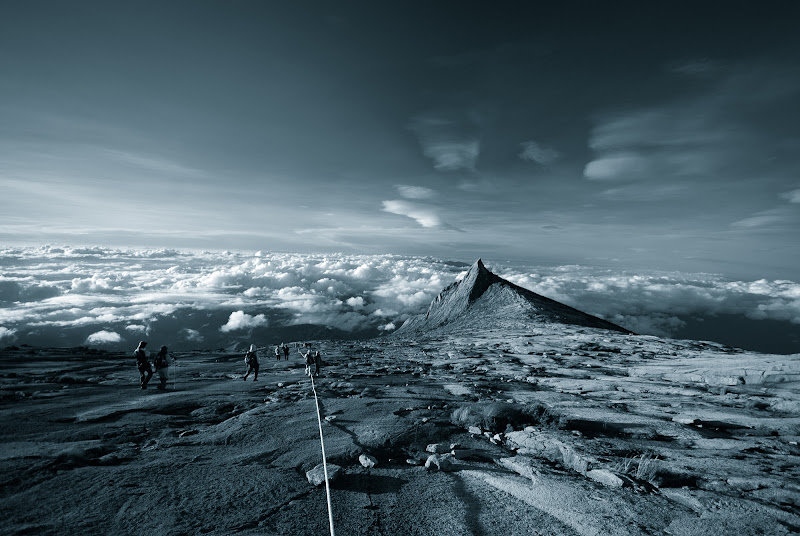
column 483, row 298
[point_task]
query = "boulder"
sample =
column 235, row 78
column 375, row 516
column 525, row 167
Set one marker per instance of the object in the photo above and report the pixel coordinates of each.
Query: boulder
column 437, row 448
column 367, row 461
column 475, row 430
column 605, row 477
column 316, row 476
column 439, row 462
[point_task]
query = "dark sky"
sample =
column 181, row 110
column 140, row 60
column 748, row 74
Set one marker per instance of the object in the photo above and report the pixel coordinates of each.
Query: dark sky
column 645, row 135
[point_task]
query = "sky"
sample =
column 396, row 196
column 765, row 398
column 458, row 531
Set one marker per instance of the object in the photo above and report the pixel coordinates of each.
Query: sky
column 623, row 135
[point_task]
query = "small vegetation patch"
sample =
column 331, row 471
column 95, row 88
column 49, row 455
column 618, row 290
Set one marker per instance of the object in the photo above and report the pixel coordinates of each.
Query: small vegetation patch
column 643, row 467
column 500, row 416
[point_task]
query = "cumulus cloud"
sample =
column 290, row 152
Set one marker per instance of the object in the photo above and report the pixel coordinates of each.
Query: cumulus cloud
column 6, row 333
column 424, row 215
column 241, row 320
column 190, row 298
column 104, row 337
column 356, row 302
column 536, row 152
column 191, row 335
column 654, row 303
column 415, row 192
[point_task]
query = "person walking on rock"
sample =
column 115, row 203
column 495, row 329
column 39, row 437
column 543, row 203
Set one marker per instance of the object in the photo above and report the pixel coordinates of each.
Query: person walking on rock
column 143, row 364
column 285, row 351
column 251, row 360
column 317, row 363
column 161, row 362
column 278, row 353
column 308, row 357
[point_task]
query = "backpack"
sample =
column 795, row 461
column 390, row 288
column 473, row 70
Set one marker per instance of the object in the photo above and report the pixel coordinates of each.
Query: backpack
column 160, row 361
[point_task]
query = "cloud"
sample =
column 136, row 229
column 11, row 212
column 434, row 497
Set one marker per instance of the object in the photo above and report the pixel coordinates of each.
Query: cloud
column 188, row 299
column 617, row 166
column 415, row 192
column 767, row 218
column 452, row 144
column 104, row 337
column 6, row 333
column 191, row 335
column 424, row 215
column 357, row 302
column 241, row 320
column 453, row 155
column 793, row 196
column 536, row 152
column 717, row 132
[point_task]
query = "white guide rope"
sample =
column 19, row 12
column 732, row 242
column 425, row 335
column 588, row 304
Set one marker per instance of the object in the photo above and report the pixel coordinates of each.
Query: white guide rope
column 324, row 463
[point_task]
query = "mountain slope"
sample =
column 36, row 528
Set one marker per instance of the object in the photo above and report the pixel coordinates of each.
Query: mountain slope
column 483, row 299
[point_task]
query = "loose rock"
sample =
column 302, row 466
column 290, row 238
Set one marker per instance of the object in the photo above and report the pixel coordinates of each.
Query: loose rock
column 439, row 462
column 316, row 476
column 368, row 461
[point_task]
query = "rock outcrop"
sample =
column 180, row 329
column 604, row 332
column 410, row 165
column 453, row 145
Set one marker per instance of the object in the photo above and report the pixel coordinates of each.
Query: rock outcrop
column 483, row 299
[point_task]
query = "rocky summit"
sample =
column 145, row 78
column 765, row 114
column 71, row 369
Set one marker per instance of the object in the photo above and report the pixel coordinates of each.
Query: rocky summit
column 485, row 300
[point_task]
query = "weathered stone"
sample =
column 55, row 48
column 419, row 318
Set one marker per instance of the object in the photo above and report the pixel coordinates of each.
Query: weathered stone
column 437, row 448
column 368, row 461
column 475, row 430
column 520, row 465
column 605, row 477
column 316, row 476
column 439, row 462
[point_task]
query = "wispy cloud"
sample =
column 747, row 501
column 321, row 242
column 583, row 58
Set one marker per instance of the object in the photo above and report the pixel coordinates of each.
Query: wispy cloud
column 793, row 196
column 452, row 145
column 423, row 214
column 539, row 153
column 415, row 192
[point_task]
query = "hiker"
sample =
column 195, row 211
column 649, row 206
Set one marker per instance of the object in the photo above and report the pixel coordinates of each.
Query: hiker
column 251, row 360
column 278, row 353
column 285, row 351
column 309, row 360
column 317, row 363
column 143, row 364
column 161, row 362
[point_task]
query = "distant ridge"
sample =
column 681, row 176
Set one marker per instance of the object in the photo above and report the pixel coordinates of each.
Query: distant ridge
column 483, row 299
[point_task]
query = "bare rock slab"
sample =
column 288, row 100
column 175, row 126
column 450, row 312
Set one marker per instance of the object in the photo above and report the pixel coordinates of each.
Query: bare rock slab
column 316, row 476
column 605, row 477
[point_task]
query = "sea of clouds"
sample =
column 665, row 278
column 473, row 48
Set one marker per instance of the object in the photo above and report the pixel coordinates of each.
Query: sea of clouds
column 65, row 296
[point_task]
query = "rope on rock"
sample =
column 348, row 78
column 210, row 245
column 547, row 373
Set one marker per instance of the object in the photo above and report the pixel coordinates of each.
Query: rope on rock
column 324, row 463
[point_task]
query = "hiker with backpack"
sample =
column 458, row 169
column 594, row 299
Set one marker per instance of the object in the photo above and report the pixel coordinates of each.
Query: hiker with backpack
column 285, row 351
column 309, row 360
column 251, row 360
column 143, row 364
column 278, row 353
column 161, row 362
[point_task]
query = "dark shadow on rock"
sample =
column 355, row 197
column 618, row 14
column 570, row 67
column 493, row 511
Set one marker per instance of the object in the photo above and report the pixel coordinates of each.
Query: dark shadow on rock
column 367, row 483
column 472, row 506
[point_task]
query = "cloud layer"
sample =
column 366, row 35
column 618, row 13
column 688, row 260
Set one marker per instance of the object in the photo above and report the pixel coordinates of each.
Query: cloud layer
column 69, row 296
